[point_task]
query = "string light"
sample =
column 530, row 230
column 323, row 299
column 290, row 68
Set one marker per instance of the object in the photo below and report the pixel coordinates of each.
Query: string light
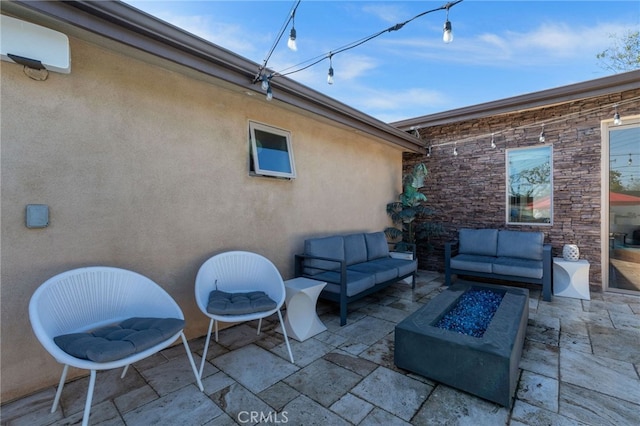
column 542, row 136
column 291, row 43
column 311, row 62
column 260, row 76
column 447, row 33
column 265, row 82
column 562, row 119
column 429, row 152
column 493, row 141
column 630, row 160
column 455, row 151
column 330, row 73
column 616, row 117
column 269, row 93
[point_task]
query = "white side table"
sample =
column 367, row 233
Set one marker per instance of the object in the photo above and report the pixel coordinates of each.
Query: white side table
column 301, row 320
column 571, row 278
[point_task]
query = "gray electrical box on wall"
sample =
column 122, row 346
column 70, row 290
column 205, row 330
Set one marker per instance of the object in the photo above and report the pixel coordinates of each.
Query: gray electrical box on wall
column 37, row 216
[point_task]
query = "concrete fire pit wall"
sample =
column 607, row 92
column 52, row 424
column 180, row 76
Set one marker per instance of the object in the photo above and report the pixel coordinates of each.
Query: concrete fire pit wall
column 487, row 366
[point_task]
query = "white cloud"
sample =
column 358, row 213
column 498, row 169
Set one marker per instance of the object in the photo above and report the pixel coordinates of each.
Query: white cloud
column 392, row 105
column 543, row 44
column 232, row 37
column 386, row 12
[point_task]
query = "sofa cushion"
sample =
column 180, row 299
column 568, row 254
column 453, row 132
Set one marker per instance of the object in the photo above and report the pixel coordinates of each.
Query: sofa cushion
column 224, row 303
column 355, row 249
column 377, row 246
column 381, row 272
column 357, row 282
column 518, row 267
column 331, row 247
column 115, row 342
column 403, row 266
column 471, row 262
column 482, row 242
column 520, row 244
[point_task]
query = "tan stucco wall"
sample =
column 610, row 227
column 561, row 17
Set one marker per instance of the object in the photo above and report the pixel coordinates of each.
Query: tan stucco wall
column 146, row 169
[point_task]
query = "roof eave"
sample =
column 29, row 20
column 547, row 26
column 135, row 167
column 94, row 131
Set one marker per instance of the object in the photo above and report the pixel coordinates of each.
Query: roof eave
column 587, row 89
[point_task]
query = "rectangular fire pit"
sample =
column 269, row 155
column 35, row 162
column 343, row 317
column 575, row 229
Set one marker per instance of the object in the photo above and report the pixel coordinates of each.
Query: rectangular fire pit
column 484, row 366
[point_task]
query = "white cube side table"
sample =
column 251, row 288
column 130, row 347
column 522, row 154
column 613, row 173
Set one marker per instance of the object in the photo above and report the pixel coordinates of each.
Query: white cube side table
column 571, row 278
column 301, row 320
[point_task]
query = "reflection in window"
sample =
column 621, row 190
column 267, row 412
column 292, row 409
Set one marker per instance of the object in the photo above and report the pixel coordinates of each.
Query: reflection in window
column 529, row 185
column 271, row 153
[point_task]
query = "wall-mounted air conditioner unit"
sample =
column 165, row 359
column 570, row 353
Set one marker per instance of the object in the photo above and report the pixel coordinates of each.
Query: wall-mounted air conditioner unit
column 33, row 45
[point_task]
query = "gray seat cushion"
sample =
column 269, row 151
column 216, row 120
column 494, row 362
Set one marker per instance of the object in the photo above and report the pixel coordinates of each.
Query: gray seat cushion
column 377, row 246
column 356, row 282
column 518, row 267
column 524, row 245
column 355, row 249
column 224, row 303
column 482, row 242
column 470, row 262
column 381, row 272
column 329, row 247
column 119, row 341
column 402, row 266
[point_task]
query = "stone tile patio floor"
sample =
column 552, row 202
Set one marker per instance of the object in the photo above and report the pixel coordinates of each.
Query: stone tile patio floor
column 580, row 365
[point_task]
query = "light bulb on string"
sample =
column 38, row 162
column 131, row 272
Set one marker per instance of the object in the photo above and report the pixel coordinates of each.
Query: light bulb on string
column 630, row 160
column 493, row 141
column 543, row 136
column 429, row 153
column 616, row 117
column 265, row 82
column 269, row 93
column 455, row 151
column 447, row 32
column 291, row 43
column 330, row 73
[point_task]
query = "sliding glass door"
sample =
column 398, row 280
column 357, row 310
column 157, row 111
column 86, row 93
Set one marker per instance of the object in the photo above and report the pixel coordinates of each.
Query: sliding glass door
column 622, row 143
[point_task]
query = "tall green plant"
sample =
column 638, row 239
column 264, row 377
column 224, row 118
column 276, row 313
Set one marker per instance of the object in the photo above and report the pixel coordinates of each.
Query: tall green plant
column 409, row 207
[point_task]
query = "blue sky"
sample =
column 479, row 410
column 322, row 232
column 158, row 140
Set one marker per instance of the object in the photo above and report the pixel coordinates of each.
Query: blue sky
column 500, row 48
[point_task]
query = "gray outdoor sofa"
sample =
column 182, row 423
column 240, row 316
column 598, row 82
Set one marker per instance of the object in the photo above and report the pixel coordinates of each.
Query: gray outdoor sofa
column 353, row 266
column 501, row 254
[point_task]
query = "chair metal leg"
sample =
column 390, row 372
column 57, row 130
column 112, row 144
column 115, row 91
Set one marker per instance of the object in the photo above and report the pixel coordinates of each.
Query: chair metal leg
column 63, row 377
column 259, row 325
column 124, row 371
column 87, row 404
column 206, row 346
column 286, row 339
column 193, row 364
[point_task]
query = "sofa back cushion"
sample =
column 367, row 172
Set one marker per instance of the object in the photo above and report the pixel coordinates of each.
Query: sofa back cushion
column 481, row 242
column 520, row 244
column 331, row 247
column 355, row 249
column 377, row 246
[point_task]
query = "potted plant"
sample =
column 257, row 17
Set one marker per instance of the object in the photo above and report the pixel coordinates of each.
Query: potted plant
column 407, row 209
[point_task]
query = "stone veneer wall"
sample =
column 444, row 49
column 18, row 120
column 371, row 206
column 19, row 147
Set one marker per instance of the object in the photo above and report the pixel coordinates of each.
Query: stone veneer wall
column 469, row 190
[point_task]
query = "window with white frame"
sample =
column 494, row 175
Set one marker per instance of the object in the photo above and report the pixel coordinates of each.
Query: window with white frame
column 530, row 185
column 271, row 153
